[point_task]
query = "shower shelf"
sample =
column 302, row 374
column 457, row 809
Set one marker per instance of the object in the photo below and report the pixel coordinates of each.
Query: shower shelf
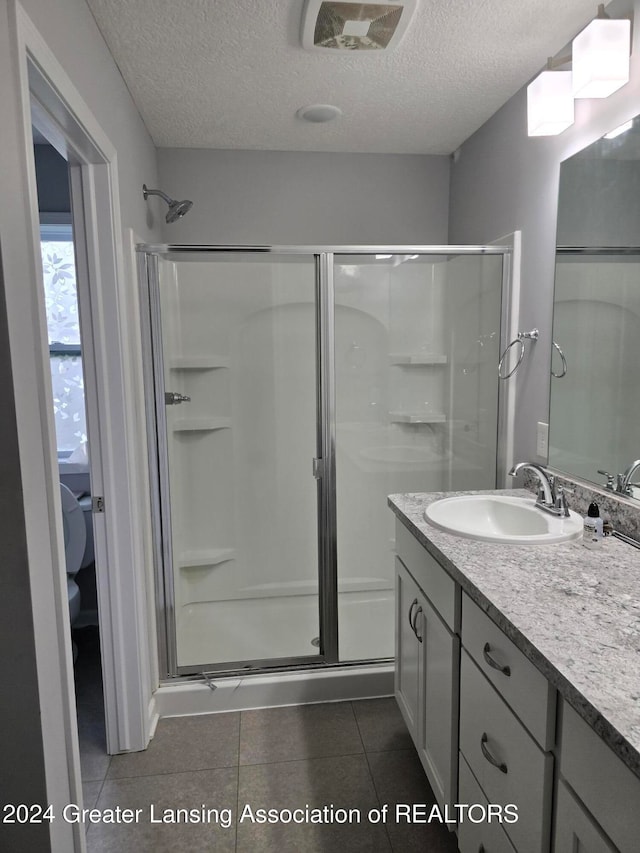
column 200, row 424
column 417, row 417
column 410, row 359
column 199, row 362
column 206, row 557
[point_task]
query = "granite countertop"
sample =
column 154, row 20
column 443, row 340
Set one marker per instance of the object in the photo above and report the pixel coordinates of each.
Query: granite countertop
column 574, row 612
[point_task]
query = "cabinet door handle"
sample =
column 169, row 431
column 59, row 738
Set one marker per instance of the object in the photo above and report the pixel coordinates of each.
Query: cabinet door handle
column 413, row 604
column 505, row 670
column 500, row 765
column 415, row 623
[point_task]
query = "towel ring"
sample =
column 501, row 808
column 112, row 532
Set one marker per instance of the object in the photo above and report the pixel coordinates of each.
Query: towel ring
column 533, row 335
column 564, row 363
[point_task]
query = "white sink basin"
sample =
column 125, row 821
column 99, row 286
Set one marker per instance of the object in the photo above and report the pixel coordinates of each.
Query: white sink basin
column 501, row 518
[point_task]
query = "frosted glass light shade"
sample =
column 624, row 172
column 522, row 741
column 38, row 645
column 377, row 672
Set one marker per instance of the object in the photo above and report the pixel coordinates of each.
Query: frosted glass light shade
column 550, row 103
column 600, row 58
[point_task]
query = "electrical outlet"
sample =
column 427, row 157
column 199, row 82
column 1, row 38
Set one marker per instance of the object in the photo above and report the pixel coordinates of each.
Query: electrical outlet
column 542, row 440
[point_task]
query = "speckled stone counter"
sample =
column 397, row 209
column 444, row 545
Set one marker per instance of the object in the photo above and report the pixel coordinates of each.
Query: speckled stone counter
column 575, row 613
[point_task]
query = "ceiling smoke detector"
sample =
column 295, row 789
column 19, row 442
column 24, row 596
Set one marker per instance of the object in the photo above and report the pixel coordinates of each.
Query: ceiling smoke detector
column 328, row 24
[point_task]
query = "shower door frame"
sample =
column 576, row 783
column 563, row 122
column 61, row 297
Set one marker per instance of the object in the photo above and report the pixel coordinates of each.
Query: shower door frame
column 324, row 464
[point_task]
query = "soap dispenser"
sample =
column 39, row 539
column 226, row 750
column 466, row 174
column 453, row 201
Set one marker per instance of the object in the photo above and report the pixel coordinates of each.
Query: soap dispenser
column 592, row 532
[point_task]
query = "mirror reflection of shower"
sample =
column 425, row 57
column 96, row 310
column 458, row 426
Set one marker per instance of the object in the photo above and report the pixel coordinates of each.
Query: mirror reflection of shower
column 177, row 209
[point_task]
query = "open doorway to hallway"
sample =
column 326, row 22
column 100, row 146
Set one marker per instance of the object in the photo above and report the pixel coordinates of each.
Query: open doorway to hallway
column 59, row 250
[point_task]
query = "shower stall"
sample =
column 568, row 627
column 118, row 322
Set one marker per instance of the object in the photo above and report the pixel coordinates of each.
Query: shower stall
column 289, row 391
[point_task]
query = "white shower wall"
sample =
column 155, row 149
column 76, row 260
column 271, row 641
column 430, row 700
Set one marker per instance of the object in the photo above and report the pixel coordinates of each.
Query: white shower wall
column 416, row 349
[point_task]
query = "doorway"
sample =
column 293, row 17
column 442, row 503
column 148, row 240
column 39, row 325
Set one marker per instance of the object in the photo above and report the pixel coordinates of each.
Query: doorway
column 107, row 307
column 59, row 252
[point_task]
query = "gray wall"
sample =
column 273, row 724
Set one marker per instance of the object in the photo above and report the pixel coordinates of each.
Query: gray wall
column 52, row 175
column 28, row 721
column 287, row 197
column 503, row 181
column 70, row 31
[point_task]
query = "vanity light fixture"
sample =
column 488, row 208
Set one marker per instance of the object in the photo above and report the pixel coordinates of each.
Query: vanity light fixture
column 550, row 102
column 619, row 130
column 600, row 57
column 599, row 66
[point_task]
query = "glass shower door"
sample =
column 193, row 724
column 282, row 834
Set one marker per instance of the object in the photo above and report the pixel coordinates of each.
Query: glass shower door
column 417, row 341
column 235, row 347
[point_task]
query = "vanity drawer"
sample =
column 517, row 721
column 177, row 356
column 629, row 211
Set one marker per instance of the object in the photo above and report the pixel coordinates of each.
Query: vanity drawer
column 521, row 685
column 575, row 828
column 606, row 786
column 490, row 735
column 434, row 581
column 487, row 836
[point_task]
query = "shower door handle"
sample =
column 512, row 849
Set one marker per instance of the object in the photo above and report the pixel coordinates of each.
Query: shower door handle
column 318, row 468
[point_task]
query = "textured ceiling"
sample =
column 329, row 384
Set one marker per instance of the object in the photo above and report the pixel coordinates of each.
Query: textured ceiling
column 232, row 73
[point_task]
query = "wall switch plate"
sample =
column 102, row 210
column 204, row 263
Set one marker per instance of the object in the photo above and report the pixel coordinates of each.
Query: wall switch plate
column 542, row 439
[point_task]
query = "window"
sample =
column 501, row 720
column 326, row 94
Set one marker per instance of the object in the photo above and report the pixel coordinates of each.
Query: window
column 61, row 300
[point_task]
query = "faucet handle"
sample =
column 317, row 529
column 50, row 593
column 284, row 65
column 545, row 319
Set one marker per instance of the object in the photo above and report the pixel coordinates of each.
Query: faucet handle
column 609, row 484
column 561, row 500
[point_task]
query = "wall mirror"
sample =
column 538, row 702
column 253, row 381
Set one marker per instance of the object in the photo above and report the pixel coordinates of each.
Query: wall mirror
column 594, row 422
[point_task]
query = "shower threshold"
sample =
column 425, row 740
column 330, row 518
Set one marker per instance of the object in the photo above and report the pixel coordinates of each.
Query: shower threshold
column 246, row 689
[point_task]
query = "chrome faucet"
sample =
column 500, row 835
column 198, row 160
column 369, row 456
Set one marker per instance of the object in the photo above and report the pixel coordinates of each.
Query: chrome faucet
column 624, row 480
column 547, row 499
column 623, row 484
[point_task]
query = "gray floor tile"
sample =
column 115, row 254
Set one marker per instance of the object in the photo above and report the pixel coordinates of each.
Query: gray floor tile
column 303, row 731
column 343, row 781
column 183, row 743
column 94, row 761
column 90, row 791
column 399, row 778
column 381, row 725
column 215, row 789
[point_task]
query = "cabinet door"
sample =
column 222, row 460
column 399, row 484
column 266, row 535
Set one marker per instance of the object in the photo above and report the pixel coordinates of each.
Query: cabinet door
column 438, row 721
column 407, row 674
column 575, row 828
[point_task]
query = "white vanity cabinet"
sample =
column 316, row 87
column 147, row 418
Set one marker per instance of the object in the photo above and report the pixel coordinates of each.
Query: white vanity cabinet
column 427, row 662
column 575, row 828
column 598, row 799
column 490, row 728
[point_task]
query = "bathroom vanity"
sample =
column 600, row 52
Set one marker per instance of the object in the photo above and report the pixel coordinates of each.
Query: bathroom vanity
column 517, row 673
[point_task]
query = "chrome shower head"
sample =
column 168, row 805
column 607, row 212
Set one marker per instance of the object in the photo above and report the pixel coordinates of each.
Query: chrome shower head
column 177, row 209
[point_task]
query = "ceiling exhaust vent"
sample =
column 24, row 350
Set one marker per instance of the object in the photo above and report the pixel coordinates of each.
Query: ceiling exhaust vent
column 332, row 25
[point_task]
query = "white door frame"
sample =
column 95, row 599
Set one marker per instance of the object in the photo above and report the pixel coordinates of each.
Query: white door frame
column 117, row 458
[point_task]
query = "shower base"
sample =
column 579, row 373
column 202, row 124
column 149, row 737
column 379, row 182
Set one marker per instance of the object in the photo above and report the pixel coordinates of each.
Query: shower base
column 302, row 687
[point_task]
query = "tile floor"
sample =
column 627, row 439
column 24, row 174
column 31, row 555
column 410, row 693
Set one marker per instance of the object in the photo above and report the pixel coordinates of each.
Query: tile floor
column 354, row 755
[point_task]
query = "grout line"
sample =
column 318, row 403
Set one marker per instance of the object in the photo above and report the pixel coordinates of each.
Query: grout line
column 371, row 777
column 303, row 758
column 378, row 798
column 238, row 783
column 169, row 773
column 355, row 717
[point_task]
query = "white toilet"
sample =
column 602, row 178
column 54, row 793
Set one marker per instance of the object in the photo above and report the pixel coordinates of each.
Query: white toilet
column 75, row 541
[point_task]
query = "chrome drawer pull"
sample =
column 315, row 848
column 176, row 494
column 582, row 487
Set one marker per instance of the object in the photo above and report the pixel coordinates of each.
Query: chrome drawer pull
column 505, row 670
column 501, row 766
column 413, row 604
column 415, row 623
